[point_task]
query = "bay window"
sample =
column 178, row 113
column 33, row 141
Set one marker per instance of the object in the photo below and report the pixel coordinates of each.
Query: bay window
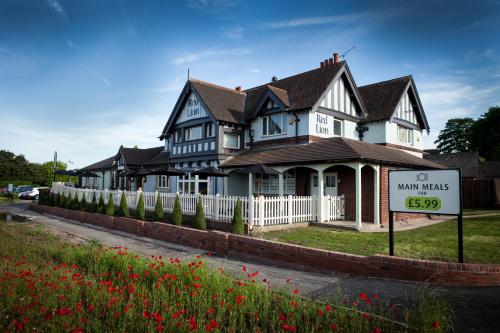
column 192, row 133
column 405, row 135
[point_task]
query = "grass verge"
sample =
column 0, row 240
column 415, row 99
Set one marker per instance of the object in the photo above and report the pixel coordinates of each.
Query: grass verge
column 435, row 242
column 55, row 286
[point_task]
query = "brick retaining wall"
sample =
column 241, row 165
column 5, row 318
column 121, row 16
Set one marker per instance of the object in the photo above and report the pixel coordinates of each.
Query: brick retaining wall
column 294, row 256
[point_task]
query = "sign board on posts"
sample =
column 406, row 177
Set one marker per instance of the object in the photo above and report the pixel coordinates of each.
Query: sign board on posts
column 425, row 191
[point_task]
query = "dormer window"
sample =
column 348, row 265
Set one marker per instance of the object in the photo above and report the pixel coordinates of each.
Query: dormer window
column 270, row 104
column 274, row 124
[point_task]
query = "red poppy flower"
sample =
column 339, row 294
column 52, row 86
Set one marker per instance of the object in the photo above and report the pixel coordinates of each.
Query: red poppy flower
column 435, row 324
column 289, row 328
column 363, row 296
column 244, row 268
column 328, row 308
column 333, row 326
column 296, row 291
column 377, row 330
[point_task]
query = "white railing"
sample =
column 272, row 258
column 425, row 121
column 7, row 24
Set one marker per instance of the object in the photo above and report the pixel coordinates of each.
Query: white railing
column 262, row 211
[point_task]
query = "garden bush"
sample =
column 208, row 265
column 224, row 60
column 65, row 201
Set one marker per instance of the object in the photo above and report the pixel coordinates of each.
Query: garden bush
column 69, row 201
column 199, row 220
column 62, row 200
column 110, row 208
column 93, row 204
column 101, row 207
column 76, row 202
column 237, row 226
column 83, row 202
column 123, row 206
column 158, row 213
column 177, row 212
column 140, row 213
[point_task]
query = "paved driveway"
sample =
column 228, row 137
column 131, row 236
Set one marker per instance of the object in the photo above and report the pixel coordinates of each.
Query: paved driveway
column 478, row 308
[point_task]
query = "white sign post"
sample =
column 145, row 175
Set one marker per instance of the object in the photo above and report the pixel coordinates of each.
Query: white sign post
column 428, row 192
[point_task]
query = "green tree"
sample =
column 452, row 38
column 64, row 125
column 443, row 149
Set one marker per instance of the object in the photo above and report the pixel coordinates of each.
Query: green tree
column 140, row 212
column 199, row 219
column 177, row 211
column 456, row 136
column 83, row 202
column 485, row 134
column 101, row 207
column 237, row 226
column 110, row 208
column 69, row 202
column 93, row 206
column 123, row 206
column 158, row 213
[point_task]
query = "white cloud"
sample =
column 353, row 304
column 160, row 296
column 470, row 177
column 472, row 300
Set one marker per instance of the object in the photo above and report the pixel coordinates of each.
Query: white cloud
column 210, row 5
column 7, row 52
column 445, row 100
column 174, row 86
column 253, row 70
column 101, row 77
column 316, row 20
column 188, row 57
column 233, row 32
column 58, row 8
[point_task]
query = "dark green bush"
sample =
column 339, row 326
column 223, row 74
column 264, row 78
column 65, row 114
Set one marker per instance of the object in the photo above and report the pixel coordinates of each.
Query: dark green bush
column 123, row 206
column 83, row 202
column 237, row 226
column 140, row 213
column 199, row 220
column 69, row 201
column 93, row 205
column 110, row 208
column 76, row 203
column 57, row 200
column 101, row 207
column 158, row 213
column 177, row 212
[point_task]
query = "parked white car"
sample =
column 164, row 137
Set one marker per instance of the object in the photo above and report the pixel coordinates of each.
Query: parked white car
column 32, row 194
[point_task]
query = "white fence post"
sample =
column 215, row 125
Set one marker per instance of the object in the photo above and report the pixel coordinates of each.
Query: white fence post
column 217, row 207
column 261, row 210
column 290, row 209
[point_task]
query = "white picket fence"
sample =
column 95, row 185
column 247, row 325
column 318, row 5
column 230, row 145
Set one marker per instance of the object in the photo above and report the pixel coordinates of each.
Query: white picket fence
column 262, row 211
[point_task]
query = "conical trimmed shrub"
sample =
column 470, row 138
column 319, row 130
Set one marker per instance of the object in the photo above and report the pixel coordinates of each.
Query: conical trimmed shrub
column 123, row 206
column 69, row 202
column 177, row 211
column 83, row 203
column 158, row 213
column 76, row 203
column 237, row 226
column 110, row 208
column 140, row 212
column 93, row 204
column 199, row 220
column 57, row 200
column 101, row 207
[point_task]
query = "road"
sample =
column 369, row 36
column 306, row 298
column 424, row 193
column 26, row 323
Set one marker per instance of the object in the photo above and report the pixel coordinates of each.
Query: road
column 477, row 308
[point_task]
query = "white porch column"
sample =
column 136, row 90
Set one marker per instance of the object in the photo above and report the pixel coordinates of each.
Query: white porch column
column 321, row 195
column 196, row 185
column 358, row 195
column 376, row 195
column 225, row 186
column 280, row 184
column 250, row 185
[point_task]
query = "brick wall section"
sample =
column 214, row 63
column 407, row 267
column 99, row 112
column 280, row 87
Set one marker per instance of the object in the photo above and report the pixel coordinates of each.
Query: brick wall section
column 367, row 196
column 295, row 256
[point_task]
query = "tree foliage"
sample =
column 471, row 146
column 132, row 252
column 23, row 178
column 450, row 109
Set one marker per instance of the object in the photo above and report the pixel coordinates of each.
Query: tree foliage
column 199, row 219
column 158, row 213
column 110, row 208
column 123, row 206
column 140, row 212
column 237, row 226
column 177, row 212
column 455, row 137
column 93, row 206
column 485, row 134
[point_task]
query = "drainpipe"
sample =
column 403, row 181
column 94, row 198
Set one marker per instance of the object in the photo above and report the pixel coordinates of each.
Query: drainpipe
column 296, row 121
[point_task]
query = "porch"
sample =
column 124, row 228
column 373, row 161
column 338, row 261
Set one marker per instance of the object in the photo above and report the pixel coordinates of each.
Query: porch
column 349, row 191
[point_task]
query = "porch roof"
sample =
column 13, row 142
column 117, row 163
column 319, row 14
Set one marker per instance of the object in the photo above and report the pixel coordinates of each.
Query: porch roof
column 330, row 150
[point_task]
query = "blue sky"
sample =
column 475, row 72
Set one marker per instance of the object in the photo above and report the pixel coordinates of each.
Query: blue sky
column 83, row 77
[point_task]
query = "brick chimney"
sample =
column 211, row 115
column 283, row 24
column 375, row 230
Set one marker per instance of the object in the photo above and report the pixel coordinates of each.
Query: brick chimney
column 335, row 58
column 330, row 61
column 322, row 65
column 238, row 88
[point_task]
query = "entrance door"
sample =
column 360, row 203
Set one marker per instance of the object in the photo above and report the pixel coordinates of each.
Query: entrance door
column 331, row 183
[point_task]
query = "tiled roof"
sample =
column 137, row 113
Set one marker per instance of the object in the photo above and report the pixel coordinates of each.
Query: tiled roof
column 330, row 150
column 303, row 90
column 281, row 94
column 467, row 162
column 101, row 165
column 161, row 158
column 138, row 156
column 224, row 103
column 382, row 98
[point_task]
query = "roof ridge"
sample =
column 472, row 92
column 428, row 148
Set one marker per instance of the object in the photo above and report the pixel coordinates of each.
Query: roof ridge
column 218, row 86
column 288, row 77
column 386, row 81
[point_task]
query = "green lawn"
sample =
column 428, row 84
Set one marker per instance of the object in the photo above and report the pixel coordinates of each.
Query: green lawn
column 437, row 242
column 474, row 211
